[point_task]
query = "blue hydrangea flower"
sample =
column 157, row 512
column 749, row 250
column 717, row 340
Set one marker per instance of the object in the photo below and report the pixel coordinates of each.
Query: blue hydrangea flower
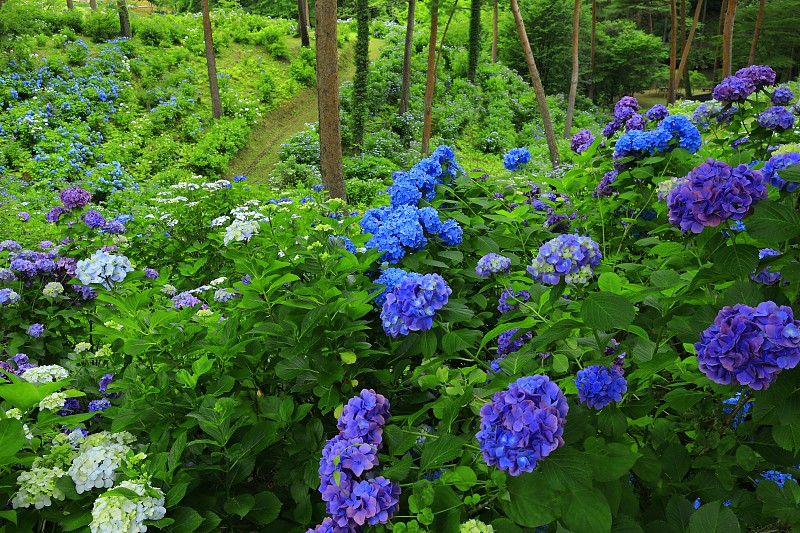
column 412, row 305
column 598, row 386
column 504, row 306
column 8, row 297
column 391, row 278
column 604, row 188
column 777, row 163
column 581, row 141
column 782, row 96
column 776, row 118
column 36, row 330
column 364, row 417
column 492, row 264
column 429, row 218
column 507, row 343
column 780, row 478
column 340, row 241
column 99, row 405
column 451, row 233
column 523, row 424
column 680, row 128
column 114, row 227
column 93, row 219
column 570, row 257
column 658, row 112
column 185, row 299
column 749, row 345
column 766, row 276
column 516, row 157
column 55, row 213
column 150, row 273
column 404, row 191
column 634, row 142
column 103, row 268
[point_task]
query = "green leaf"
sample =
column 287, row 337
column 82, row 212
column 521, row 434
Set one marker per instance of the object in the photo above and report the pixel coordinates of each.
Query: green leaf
column 737, row 261
column 266, row 508
column 24, row 395
column 746, row 457
column 10, row 515
column 566, row 467
column 768, row 216
column 560, row 363
column 679, row 513
column 439, row 451
column 292, row 368
column 399, row 470
column 176, row 494
column 458, row 340
column 186, row 519
column 787, row 437
column 713, row 517
column 609, row 282
column 682, row 400
column 587, row 511
column 790, row 173
column 610, row 461
column 202, row 365
column 240, row 505
column 462, row 477
column 532, row 500
column 12, row 437
column 743, row 292
column 604, row 311
column 427, row 343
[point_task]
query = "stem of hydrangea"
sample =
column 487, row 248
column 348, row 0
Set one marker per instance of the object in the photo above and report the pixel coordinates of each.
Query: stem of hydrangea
column 649, row 199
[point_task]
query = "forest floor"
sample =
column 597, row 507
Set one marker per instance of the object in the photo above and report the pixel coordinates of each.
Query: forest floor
column 257, row 158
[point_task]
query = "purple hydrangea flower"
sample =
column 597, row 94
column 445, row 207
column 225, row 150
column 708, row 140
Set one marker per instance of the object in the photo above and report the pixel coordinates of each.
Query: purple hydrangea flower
column 23, row 216
column 598, row 386
column 70, row 407
column 581, row 141
column 523, row 424
column 713, row 193
column 636, row 122
column 11, row 246
column 516, row 157
column 733, row 89
column 625, row 108
column 74, row 197
column 150, row 273
column 507, row 343
column 782, row 96
column 373, row 501
column 99, row 405
column 750, row 345
column 86, row 293
column 114, row 227
column 658, row 112
column 185, row 299
column 502, row 303
column 36, row 330
column 736, row 143
column 93, row 219
column 364, row 417
column 612, row 127
column 766, row 276
column 776, row 118
column 570, row 257
column 492, row 264
column 105, row 381
column 779, row 162
column 759, row 75
column 8, row 297
column 391, row 278
column 604, row 188
column 55, row 213
column 412, row 305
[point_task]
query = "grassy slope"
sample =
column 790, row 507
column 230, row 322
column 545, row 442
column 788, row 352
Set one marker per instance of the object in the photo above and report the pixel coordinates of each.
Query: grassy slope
column 275, row 127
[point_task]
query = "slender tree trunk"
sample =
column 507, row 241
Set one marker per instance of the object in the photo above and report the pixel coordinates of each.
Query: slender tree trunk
column 216, row 105
column 495, row 16
column 124, row 20
column 538, row 88
column 427, row 115
column 650, row 23
column 720, row 31
column 330, row 134
column 93, row 5
column 573, row 82
column 759, row 20
column 302, row 23
column 405, row 88
column 727, row 39
column 681, row 42
column 688, row 44
column 70, row 5
column 308, row 16
column 592, row 39
column 673, row 51
column 474, row 39
column 361, row 78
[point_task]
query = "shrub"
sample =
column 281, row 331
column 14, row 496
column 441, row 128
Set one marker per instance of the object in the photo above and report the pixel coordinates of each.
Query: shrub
column 101, row 27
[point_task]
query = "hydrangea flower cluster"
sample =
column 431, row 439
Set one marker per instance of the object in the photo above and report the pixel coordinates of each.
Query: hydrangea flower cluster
column 37, row 486
column 581, row 141
column 98, row 459
column 421, row 180
column 782, row 96
column 598, row 386
column 658, row 112
column 115, row 513
column 523, row 424
column 624, row 110
column 475, row 526
column 75, row 197
column 391, row 278
column 775, row 164
column 713, row 193
column 515, row 158
column 570, row 257
column 776, row 118
column 53, row 401
column 750, row 345
column 745, row 82
column 104, row 269
column 504, row 306
column 678, row 127
column 604, row 188
column 42, row 374
column 394, row 229
column 492, row 264
column 9, row 296
column 507, row 343
column 240, row 230
column 353, row 502
column 413, row 303
column 766, row 276
column 780, row 478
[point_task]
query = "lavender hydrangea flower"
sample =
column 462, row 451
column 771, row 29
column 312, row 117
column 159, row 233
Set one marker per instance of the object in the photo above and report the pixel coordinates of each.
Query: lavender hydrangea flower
column 612, row 127
column 581, row 141
column 507, row 343
column 492, row 264
column 733, row 89
column 364, row 417
column 23, row 216
column 373, row 501
column 777, row 163
column 114, row 227
column 55, row 214
column 105, row 381
column 572, row 258
column 598, row 386
column 750, row 345
column 523, row 424
column 625, row 108
column 99, row 405
column 93, row 219
column 604, row 188
column 516, row 157
column 391, row 278
column 412, row 305
column 658, row 112
column 150, row 273
column 74, row 197
column 36, row 330
column 782, row 96
column 86, row 293
column 8, row 297
column 766, row 276
column 636, row 122
column 776, row 118
column 11, row 246
column 185, row 299
column 760, row 76
column 714, row 193
column 502, row 303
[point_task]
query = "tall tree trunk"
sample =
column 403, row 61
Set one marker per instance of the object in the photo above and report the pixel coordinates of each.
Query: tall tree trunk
column 673, row 51
column 495, row 16
column 308, row 16
column 573, row 82
column 361, row 78
column 70, row 5
column 124, row 20
column 216, row 105
column 302, row 23
column 592, row 39
column 93, row 5
column 427, row 114
column 474, row 39
column 759, row 20
column 718, row 47
column 681, row 42
column 687, row 46
column 727, row 39
column 538, row 88
column 650, row 23
column 330, row 134
column 405, row 88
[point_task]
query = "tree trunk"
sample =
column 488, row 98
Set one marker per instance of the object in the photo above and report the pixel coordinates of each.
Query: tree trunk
column 361, row 77
column 330, row 134
column 759, row 20
column 405, row 88
column 93, row 5
column 573, row 82
column 650, row 23
column 427, row 116
column 727, row 39
column 124, row 20
column 687, row 46
column 216, row 105
column 682, row 42
column 70, row 5
column 592, row 39
column 673, row 51
column 538, row 88
column 474, row 39
column 302, row 23
column 308, row 16
column 495, row 16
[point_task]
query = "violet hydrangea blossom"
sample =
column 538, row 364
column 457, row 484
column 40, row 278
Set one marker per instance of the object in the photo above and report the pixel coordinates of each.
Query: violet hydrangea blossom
column 777, row 163
column 492, row 264
column 766, row 276
column 412, row 305
column 776, row 118
column 598, row 386
column 581, row 141
column 782, row 96
column 503, row 304
column 572, row 258
column 74, row 197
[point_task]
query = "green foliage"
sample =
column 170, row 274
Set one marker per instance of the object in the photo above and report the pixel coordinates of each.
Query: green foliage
column 360, row 102
column 303, row 67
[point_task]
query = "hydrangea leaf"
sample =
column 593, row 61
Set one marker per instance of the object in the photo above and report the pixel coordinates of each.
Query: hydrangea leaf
column 439, row 451
column 738, row 260
column 587, row 511
column 532, row 500
column 773, row 222
column 266, row 508
column 790, row 173
column 713, row 517
column 603, row 311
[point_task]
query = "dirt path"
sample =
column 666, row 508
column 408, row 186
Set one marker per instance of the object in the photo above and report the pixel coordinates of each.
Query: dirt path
column 257, row 158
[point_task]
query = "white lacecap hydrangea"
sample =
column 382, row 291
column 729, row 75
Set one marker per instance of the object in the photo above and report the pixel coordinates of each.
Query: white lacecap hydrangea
column 45, row 374
column 53, row 402
column 223, row 295
column 98, row 459
column 82, row 347
column 219, row 221
column 217, row 281
column 117, row 514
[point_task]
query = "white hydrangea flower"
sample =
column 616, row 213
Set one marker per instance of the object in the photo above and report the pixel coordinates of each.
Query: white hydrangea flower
column 118, row 514
column 45, row 374
column 82, row 347
column 169, row 289
column 53, row 402
column 219, row 221
column 99, row 457
column 53, row 289
column 475, row 526
column 218, row 281
column 240, row 231
column 204, row 313
column 37, row 487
